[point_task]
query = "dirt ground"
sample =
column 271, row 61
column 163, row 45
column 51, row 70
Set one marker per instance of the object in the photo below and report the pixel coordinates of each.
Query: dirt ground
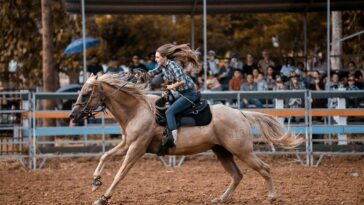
column 200, row 179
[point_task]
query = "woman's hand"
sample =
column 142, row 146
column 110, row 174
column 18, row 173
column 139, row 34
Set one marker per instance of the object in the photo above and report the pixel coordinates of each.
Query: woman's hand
column 170, row 87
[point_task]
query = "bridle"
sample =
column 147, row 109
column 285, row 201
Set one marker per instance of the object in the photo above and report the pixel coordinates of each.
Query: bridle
column 91, row 112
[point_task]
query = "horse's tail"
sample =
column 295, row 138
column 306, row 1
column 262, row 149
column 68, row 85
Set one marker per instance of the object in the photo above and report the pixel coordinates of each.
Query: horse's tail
column 271, row 130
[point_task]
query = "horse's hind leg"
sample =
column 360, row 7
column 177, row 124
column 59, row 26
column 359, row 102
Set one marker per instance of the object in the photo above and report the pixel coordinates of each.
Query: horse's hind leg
column 262, row 168
column 227, row 161
column 119, row 149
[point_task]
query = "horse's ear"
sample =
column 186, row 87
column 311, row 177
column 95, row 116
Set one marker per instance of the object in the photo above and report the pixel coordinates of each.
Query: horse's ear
column 91, row 75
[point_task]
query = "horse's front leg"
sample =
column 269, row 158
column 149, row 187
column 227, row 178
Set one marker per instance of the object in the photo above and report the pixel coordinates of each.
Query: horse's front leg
column 120, row 149
column 134, row 152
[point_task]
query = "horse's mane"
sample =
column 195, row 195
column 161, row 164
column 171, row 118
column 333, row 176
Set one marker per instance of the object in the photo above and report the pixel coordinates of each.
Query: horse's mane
column 132, row 84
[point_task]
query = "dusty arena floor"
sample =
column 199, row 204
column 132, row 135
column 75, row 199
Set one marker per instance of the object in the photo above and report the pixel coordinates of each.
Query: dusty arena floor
column 337, row 181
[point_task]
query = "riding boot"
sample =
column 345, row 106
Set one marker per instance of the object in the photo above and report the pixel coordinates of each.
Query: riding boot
column 170, row 139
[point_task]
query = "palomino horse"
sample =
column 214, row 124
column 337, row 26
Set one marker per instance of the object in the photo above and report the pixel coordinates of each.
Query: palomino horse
column 228, row 135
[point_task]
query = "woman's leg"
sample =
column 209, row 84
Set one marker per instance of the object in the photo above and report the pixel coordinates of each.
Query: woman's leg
column 177, row 107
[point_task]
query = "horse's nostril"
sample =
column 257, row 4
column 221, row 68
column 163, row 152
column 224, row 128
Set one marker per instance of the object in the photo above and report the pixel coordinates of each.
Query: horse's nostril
column 71, row 116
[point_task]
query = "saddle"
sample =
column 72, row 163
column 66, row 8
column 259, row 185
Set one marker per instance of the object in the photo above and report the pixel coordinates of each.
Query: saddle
column 197, row 115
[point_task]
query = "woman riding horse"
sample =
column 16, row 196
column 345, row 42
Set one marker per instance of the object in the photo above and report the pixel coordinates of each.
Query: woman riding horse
column 166, row 56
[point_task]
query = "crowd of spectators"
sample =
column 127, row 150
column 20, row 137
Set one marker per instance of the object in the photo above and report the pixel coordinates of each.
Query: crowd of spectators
column 230, row 73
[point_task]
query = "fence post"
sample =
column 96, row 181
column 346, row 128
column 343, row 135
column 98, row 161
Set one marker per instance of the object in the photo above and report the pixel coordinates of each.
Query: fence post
column 34, row 136
column 342, row 120
column 307, row 128
column 279, row 104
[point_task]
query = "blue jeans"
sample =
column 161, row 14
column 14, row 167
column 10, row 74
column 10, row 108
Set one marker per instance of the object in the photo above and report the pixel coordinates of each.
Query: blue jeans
column 179, row 106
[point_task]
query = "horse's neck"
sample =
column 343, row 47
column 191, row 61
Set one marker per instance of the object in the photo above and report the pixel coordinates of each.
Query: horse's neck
column 123, row 106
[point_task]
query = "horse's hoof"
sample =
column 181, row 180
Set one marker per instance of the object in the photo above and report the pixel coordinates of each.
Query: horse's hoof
column 215, row 201
column 272, row 197
column 96, row 183
column 101, row 201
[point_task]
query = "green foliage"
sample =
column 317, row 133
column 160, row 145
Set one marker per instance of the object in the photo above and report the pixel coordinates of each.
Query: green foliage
column 21, row 41
column 127, row 35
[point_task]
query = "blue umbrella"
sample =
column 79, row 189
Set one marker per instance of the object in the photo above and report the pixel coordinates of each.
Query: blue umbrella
column 77, row 45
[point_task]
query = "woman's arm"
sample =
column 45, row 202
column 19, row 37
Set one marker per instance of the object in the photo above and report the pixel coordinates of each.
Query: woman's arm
column 176, row 85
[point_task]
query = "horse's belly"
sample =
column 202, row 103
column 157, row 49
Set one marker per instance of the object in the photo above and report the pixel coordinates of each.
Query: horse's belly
column 192, row 141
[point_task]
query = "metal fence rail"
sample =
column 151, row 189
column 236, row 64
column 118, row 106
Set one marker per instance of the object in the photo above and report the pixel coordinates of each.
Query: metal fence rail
column 34, row 135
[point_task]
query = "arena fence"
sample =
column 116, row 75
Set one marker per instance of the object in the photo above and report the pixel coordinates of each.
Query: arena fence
column 333, row 134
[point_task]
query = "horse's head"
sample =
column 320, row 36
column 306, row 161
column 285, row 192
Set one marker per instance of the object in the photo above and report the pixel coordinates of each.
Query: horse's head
column 89, row 99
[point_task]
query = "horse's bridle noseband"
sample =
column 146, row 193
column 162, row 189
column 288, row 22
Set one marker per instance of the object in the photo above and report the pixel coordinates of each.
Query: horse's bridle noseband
column 91, row 112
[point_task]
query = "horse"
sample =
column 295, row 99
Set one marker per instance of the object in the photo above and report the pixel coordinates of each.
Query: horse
column 229, row 133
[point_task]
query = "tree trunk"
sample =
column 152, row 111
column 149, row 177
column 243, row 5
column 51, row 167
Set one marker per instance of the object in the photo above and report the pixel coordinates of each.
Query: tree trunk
column 74, row 76
column 336, row 35
column 49, row 72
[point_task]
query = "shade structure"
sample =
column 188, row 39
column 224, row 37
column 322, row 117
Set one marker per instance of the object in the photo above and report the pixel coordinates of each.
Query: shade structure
column 77, row 45
column 186, row 7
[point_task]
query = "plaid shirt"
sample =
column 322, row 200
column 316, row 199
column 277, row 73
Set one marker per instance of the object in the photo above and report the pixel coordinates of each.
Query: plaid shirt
column 174, row 73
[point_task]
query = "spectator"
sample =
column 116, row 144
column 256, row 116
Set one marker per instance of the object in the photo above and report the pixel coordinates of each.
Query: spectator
column 352, row 102
column 335, row 83
column 317, row 84
column 225, row 74
column 264, row 63
column 212, row 63
column 151, row 63
column 261, row 83
column 137, row 66
column 279, row 84
column 249, row 65
column 255, row 74
column 250, row 85
column 320, row 65
column 236, row 81
column 235, row 62
column 288, row 68
column 295, row 84
column 353, row 71
column 213, row 83
column 94, row 66
column 270, row 78
column 114, row 67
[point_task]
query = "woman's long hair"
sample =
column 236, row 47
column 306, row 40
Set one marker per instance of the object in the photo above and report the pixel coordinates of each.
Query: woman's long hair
column 181, row 54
